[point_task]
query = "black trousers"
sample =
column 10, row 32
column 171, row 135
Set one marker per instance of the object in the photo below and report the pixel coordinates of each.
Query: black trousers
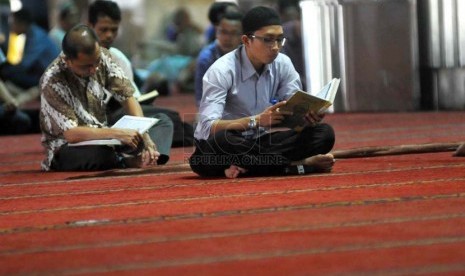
column 161, row 133
column 86, row 158
column 97, row 158
column 268, row 154
column 183, row 133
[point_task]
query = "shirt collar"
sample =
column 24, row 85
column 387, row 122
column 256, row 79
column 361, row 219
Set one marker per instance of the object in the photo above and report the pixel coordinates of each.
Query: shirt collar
column 246, row 65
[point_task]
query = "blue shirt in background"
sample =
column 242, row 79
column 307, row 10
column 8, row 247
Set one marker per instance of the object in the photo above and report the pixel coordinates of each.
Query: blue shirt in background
column 206, row 58
column 39, row 52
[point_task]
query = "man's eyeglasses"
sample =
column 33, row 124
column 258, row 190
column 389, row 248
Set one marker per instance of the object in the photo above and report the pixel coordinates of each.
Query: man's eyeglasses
column 270, row 41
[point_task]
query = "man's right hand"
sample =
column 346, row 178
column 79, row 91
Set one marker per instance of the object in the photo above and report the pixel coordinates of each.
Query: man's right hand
column 271, row 115
column 10, row 107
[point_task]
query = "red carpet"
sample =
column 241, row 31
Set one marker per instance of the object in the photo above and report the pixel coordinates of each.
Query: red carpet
column 392, row 215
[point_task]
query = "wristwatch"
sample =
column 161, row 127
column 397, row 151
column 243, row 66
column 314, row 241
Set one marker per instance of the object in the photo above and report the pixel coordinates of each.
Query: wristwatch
column 253, row 123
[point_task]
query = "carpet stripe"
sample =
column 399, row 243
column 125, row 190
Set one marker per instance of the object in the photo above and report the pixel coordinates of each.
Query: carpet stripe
column 22, row 220
column 198, row 253
column 457, row 218
column 32, row 206
column 161, row 177
column 13, row 192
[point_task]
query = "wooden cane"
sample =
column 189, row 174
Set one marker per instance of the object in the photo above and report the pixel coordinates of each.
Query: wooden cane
column 459, row 147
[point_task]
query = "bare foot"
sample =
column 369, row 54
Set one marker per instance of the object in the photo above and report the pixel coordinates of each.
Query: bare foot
column 460, row 150
column 321, row 162
column 233, row 171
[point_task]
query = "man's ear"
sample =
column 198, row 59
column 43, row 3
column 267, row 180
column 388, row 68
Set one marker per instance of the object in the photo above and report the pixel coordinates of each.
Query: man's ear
column 67, row 60
column 245, row 39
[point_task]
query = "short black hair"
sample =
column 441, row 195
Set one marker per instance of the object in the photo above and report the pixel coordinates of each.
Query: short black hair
column 259, row 17
column 216, row 11
column 103, row 8
column 231, row 15
column 66, row 10
column 23, row 16
column 80, row 39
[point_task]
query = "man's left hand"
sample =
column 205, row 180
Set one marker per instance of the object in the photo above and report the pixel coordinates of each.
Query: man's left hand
column 150, row 155
column 314, row 118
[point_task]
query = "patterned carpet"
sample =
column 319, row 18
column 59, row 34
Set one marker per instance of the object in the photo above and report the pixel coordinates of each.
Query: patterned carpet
column 389, row 215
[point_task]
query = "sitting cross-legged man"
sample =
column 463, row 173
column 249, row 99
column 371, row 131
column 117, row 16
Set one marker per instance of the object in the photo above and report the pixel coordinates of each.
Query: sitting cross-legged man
column 237, row 110
column 74, row 93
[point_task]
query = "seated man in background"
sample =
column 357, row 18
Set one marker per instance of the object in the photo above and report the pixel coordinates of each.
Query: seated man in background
column 74, row 93
column 68, row 17
column 12, row 119
column 228, row 37
column 39, row 52
column 215, row 12
column 292, row 26
column 105, row 17
column 237, row 111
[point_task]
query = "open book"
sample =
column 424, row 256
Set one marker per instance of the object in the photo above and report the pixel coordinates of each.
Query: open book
column 141, row 124
column 148, row 97
column 302, row 102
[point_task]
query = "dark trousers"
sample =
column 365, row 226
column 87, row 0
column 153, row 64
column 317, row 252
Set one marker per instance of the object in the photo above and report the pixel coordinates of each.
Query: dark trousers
column 86, row 158
column 183, row 133
column 161, row 133
column 266, row 155
column 97, row 158
column 15, row 122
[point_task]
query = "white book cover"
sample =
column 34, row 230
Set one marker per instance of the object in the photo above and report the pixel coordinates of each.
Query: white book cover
column 141, row 124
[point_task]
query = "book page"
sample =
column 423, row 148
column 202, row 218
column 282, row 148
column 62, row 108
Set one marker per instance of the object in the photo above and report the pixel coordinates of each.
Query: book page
column 107, row 142
column 333, row 90
column 141, row 124
column 324, row 92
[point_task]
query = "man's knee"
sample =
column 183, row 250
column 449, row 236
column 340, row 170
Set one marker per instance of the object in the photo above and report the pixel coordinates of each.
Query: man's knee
column 327, row 134
column 321, row 137
column 164, row 120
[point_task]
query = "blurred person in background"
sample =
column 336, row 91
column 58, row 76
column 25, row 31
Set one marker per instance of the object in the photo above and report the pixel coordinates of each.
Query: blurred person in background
column 215, row 12
column 39, row 52
column 68, row 17
column 176, row 68
column 228, row 38
column 12, row 119
column 184, row 33
column 289, row 11
column 105, row 18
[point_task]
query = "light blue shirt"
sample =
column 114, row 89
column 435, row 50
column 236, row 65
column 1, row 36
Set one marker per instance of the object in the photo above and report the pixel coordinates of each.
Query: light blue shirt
column 233, row 89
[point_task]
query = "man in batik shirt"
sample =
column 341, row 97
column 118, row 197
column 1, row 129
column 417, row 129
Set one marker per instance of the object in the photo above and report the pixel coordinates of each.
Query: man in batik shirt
column 74, row 93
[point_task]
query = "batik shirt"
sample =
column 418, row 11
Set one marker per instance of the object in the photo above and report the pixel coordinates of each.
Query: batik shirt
column 69, row 101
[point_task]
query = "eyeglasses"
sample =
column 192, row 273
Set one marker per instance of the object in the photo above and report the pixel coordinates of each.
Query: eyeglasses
column 270, row 41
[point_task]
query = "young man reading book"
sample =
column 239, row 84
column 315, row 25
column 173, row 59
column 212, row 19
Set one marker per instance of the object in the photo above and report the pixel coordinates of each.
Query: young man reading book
column 74, row 93
column 238, row 108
